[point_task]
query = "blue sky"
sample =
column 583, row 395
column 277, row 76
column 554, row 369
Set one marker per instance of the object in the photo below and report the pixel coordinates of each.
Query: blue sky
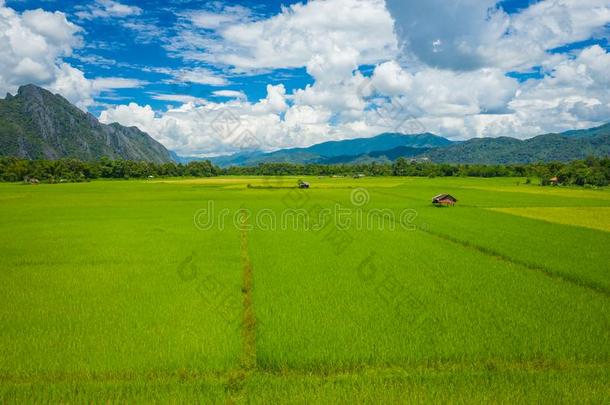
column 127, row 53
column 297, row 73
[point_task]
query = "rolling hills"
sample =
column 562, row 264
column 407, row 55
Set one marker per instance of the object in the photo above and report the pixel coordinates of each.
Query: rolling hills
column 36, row 124
column 570, row 145
column 388, row 146
column 561, row 147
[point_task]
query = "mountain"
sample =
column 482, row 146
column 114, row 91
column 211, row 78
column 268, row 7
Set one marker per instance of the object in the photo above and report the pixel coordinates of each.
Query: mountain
column 584, row 133
column 566, row 146
column 185, row 159
column 382, row 156
column 381, row 142
column 347, row 151
column 36, row 124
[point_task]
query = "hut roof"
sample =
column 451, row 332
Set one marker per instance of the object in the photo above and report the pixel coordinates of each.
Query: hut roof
column 442, row 197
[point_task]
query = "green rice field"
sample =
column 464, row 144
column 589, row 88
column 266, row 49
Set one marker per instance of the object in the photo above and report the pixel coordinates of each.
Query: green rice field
column 250, row 290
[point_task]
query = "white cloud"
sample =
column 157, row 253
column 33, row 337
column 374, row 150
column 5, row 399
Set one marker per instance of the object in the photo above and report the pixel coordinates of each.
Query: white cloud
column 390, row 79
column 145, row 32
column 216, row 128
column 446, row 34
column 179, row 98
column 230, row 94
column 217, row 18
column 198, row 76
column 275, row 102
column 574, row 95
column 107, row 9
column 471, row 34
column 450, row 77
column 49, row 37
column 295, row 36
column 109, row 83
column 72, row 84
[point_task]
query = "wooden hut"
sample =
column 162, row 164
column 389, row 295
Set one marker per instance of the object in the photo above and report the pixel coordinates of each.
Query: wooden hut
column 444, row 200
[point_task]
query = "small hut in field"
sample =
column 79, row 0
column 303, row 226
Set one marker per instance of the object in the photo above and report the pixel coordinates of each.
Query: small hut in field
column 444, row 200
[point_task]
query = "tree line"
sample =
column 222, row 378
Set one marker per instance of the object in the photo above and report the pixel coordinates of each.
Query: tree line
column 589, row 172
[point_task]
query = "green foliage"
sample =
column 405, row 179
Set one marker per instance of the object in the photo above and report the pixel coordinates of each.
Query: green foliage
column 72, row 170
column 592, row 171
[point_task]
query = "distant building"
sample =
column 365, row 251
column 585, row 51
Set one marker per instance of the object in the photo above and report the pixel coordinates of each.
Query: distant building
column 554, row 181
column 444, row 199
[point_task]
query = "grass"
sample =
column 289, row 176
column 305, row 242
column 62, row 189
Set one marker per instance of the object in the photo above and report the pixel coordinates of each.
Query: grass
column 90, row 283
column 588, row 217
column 111, row 293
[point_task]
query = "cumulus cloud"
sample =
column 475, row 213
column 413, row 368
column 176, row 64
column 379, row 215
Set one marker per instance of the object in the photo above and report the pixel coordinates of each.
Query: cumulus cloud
column 574, row 95
column 390, row 79
column 49, row 37
column 433, row 66
column 216, row 18
column 471, row 34
column 448, row 77
column 293, row 37
column 448, row 34
column 72, row 84
column 217, row 128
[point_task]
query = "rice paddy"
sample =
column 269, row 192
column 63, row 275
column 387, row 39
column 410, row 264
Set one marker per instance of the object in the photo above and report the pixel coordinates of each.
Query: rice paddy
column 248, row 290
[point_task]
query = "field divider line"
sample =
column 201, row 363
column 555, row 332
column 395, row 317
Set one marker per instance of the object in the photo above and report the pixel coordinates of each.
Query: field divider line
column 248, row 361
column 590, row 285
column 438, row 366
column 247, row 365
column 184, row 377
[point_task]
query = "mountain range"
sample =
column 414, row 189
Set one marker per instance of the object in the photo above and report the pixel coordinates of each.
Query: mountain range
column 37, row 124
column 384, row 148
column 562, row 147
column 346, row 151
